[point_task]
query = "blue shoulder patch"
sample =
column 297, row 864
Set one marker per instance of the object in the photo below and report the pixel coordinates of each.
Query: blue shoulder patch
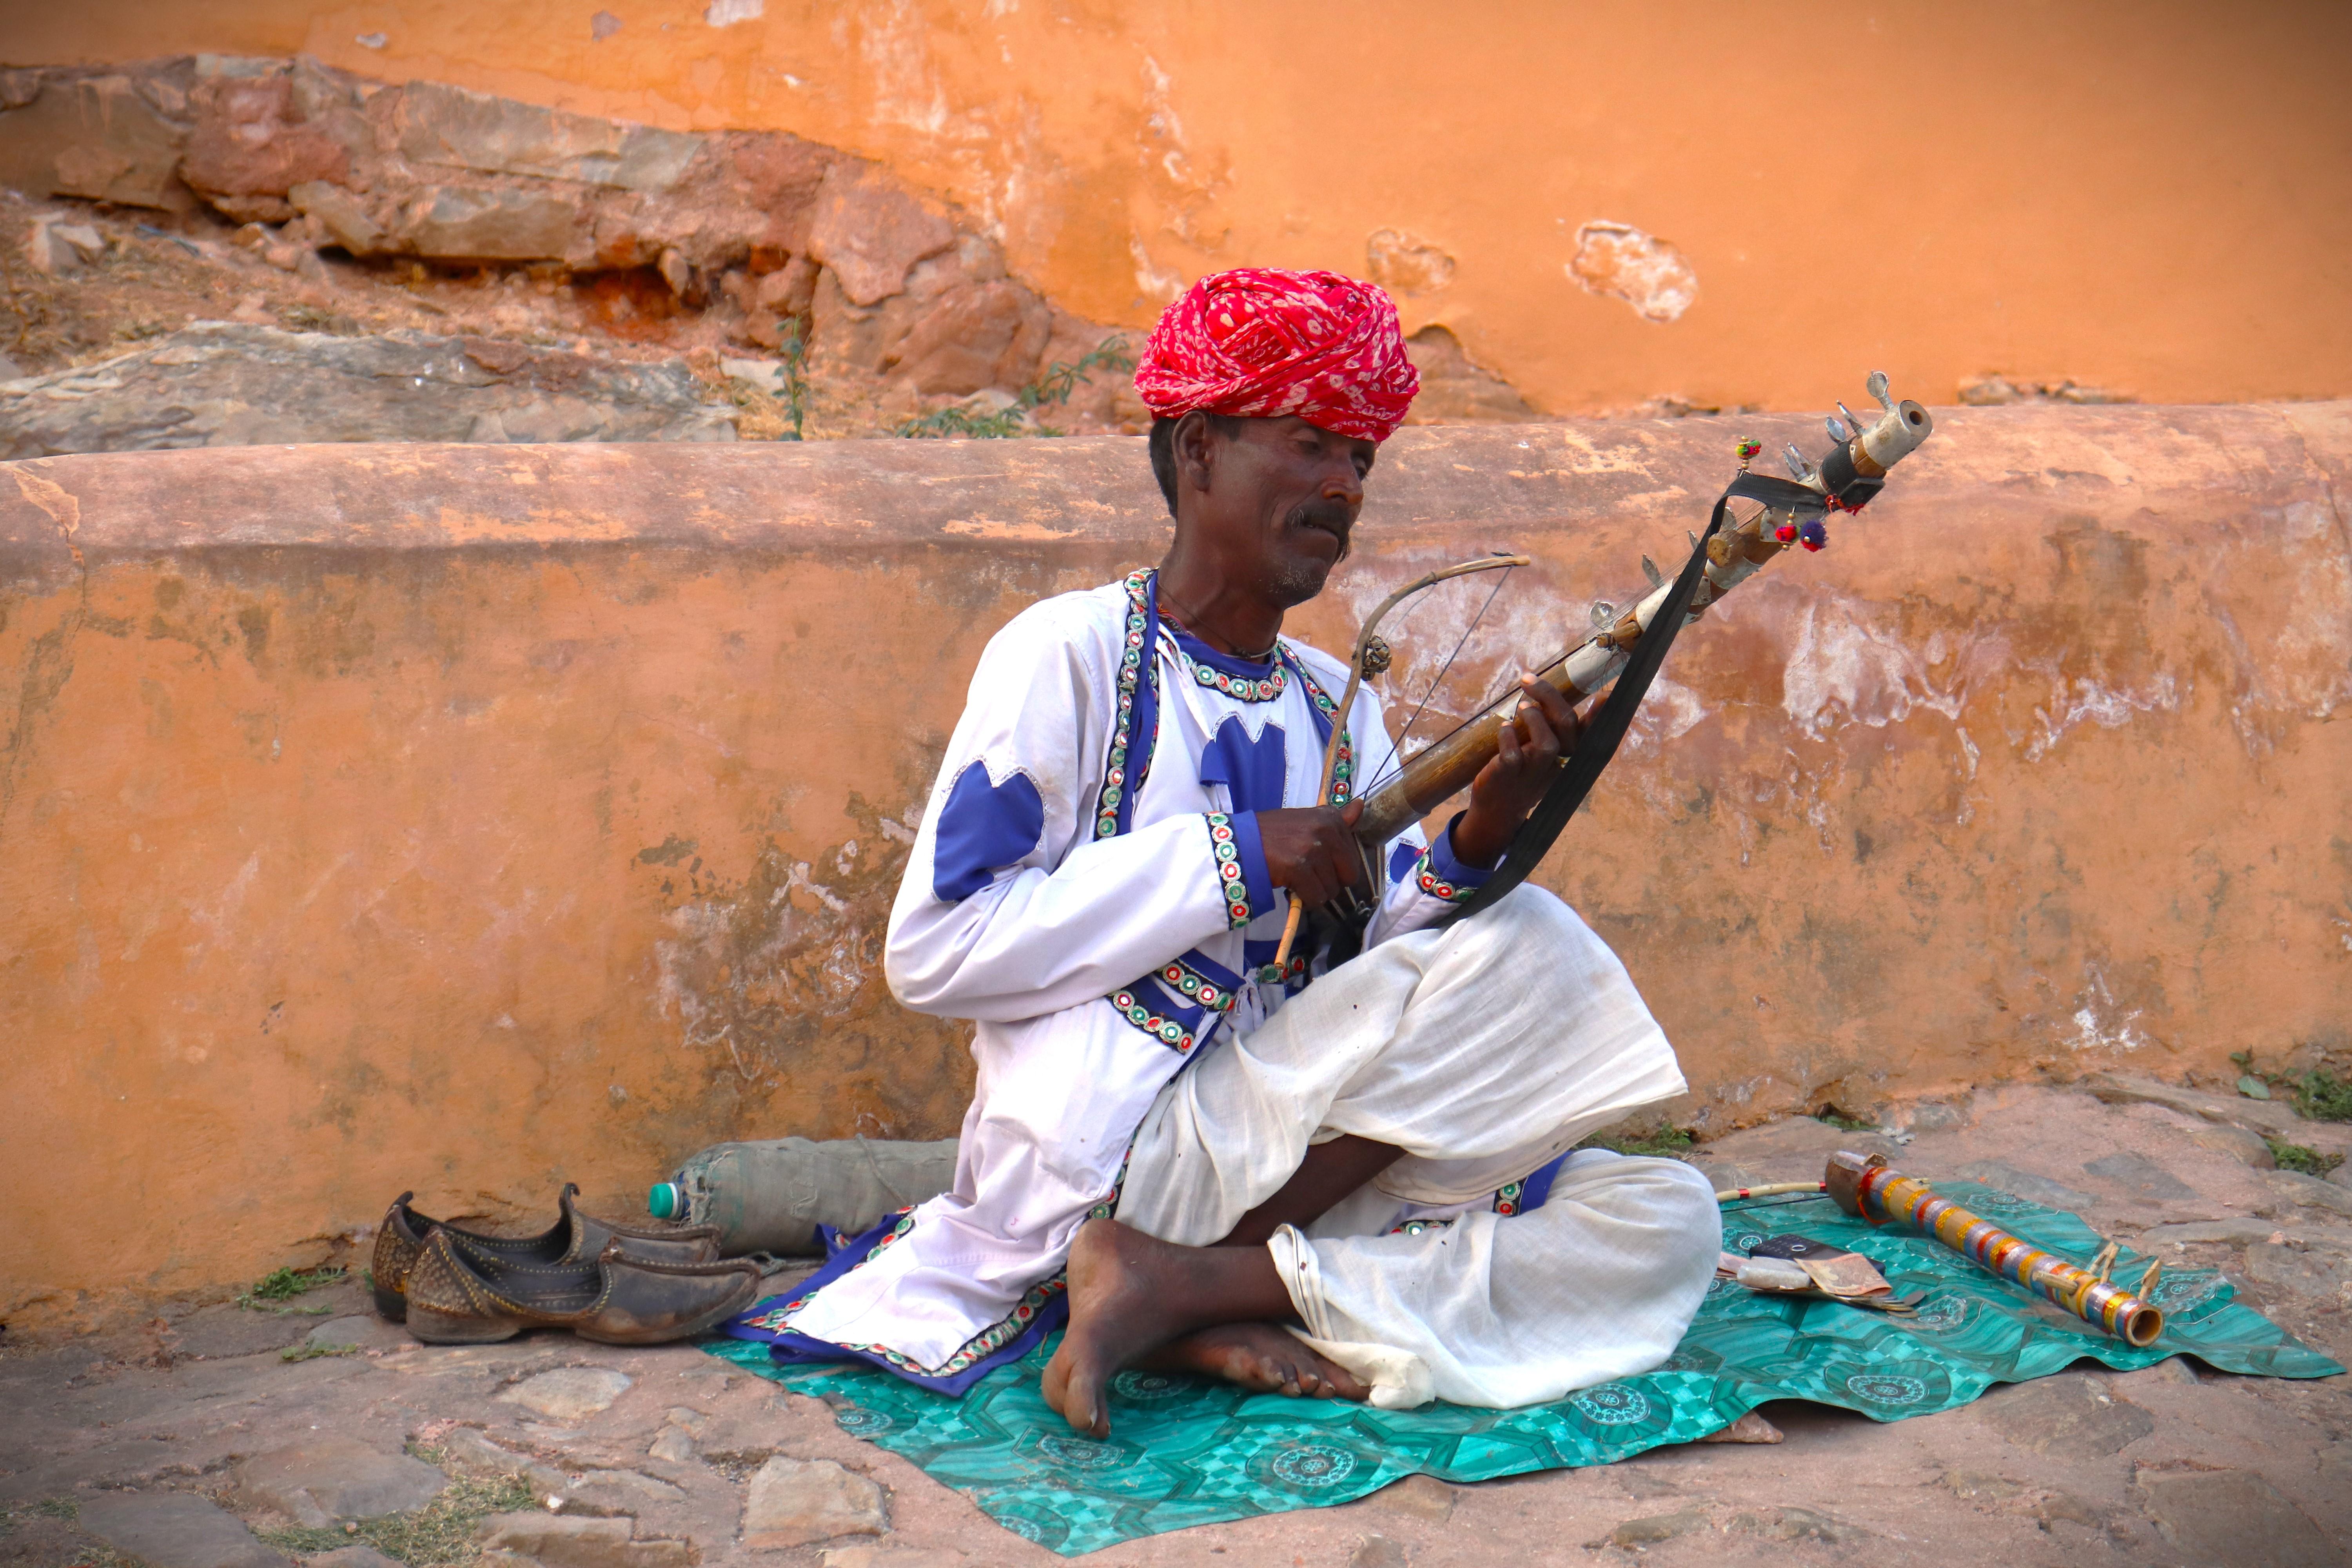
column 1253, row 772
column 983, row 828
column 1401, row 860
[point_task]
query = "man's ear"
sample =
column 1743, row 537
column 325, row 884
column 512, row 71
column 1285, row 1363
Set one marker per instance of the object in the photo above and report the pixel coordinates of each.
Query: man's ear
column 1194, row 443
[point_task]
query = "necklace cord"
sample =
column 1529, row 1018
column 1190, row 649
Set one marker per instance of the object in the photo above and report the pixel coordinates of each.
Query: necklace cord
column 1190, row 622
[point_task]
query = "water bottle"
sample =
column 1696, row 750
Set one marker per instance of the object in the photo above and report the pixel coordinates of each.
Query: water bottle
column 774, row 1195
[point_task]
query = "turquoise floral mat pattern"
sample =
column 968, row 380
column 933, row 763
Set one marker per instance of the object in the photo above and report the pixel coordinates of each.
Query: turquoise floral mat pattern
column 1183, row 1451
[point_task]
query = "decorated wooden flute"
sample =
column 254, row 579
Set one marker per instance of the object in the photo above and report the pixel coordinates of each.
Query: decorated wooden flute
column 1864, row 1187
column 1847, row 477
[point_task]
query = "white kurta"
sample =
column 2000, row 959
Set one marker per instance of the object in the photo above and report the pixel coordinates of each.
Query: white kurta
column 1087, row 887
column 1483, row 1050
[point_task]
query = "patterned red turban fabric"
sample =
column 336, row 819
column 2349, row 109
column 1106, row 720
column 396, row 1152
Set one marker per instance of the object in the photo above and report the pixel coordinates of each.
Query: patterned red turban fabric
column 1256, row 343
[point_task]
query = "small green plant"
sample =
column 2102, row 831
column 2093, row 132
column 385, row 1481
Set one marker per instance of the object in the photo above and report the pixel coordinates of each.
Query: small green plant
column 1052, row 389
column 285, row 1284
column 1657, row 1143
column 1061, row 379
column 955, row 421
column 1842, row 1121
column 2324, row 1097
column 314, row 1353
column 2318, row 1095
column 438, row 1535
column 2307, row 1161
column 794, row 347
column 58, row 1508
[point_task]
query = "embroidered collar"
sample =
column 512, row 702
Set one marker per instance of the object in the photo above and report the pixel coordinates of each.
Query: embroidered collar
column 1244, row 680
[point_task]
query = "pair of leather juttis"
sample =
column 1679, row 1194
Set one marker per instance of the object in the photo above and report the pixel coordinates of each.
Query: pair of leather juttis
column 619, row 1283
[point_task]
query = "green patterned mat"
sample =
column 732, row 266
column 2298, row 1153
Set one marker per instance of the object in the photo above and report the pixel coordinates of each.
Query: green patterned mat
column 1183, row 1451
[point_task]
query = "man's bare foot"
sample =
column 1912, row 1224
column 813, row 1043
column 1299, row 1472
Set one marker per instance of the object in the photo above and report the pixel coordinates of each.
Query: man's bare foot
column 1263, row 1357
column 1131, row 1294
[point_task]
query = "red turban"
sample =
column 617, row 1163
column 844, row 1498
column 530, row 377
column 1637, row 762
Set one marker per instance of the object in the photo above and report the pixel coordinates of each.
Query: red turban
column 1256, row 343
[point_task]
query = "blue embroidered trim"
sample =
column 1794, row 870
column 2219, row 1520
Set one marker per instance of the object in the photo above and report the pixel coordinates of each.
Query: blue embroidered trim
column 1441, row 875
column 1530, row 1191
column 1202, row 980
column 1539, row 1186
column 1437, row 886
column 1139, row 687
column 1147, row 1008
column 1256, row 881
column 1327, row 712
column 1208, row 991
column 1420, row 1226
column 1257, row 963
column 1041, row 1310
column 1233, row 877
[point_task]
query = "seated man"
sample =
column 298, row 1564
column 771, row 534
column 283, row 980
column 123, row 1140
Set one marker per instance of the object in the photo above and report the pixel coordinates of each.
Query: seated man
column 1202, row 1147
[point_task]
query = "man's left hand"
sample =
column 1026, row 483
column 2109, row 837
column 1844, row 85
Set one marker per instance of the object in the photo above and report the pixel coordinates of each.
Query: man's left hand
column 1542, row 731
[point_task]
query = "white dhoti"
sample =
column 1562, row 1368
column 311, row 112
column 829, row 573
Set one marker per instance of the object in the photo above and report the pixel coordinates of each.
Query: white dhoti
column 1483, row 1050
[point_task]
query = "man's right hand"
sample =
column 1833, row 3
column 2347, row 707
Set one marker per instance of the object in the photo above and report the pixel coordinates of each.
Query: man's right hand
column 1311, row 850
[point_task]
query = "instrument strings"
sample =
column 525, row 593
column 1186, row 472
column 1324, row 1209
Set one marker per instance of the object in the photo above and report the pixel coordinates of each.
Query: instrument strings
column 1396, row 753
column 1397, row 759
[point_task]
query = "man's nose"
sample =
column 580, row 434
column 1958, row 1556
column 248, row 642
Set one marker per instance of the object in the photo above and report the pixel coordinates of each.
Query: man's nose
column 1342, row 483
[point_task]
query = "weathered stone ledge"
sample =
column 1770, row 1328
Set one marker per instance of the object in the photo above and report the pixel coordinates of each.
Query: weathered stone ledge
column 467, row 818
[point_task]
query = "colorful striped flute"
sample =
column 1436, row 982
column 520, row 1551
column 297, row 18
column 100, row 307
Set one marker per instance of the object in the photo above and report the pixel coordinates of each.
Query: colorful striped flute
column 1865, row 1188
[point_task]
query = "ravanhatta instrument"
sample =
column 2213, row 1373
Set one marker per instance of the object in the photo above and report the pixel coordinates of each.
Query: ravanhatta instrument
column 1794, row 514
column 1623, row 651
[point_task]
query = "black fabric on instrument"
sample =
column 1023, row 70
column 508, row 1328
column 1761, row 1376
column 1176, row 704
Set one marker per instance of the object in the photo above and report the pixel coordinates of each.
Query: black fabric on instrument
column 1598, row 745
column 1781, row 495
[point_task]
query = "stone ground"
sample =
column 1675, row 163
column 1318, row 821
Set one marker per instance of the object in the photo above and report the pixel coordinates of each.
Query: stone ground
column 201, row 1439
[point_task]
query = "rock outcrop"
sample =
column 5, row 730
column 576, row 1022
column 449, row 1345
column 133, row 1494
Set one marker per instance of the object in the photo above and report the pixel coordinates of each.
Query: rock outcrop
column 760, row 228
column 104, row 136
column 223, row 384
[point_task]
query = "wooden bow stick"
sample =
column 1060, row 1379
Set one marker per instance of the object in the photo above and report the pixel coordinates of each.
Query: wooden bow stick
column 1356, row 671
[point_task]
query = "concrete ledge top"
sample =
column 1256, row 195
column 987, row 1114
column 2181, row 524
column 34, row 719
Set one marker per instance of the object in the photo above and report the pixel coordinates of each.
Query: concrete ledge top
column 1095, row 490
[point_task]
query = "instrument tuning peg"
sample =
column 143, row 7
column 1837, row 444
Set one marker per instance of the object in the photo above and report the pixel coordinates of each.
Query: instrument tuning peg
column 1798, row 467
column 1877, row 385
column 1691, row 536
column 1848, row 415
column 1650, row 570
column 1836, row 426
column 1604, row 615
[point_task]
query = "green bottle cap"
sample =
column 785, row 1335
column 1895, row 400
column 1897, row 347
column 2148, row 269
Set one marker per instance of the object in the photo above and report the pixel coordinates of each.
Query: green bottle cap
column 664, row 1202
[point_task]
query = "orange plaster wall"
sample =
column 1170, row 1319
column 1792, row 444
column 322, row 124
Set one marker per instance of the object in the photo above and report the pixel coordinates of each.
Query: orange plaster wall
column 2153, row 198
column 471, row 818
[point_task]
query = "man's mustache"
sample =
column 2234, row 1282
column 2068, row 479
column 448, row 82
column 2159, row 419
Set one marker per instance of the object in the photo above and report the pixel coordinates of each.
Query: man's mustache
column 1331, row 516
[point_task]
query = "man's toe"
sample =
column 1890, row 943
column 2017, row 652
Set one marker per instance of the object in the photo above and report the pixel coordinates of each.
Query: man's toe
column 1344, row 1384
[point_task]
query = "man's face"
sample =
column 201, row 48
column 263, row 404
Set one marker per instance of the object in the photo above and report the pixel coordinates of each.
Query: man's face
column 1281, row 502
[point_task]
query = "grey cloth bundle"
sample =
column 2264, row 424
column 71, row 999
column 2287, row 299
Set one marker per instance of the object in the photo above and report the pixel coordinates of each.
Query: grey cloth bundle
column 771, row 1196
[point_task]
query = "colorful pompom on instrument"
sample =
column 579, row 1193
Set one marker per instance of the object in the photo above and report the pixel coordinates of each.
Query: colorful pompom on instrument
column 1786, row 533
column 1814, row 535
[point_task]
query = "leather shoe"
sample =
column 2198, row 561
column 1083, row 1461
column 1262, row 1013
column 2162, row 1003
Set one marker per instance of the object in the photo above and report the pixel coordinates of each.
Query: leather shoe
column 458, row 1295
column 575, row 1237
